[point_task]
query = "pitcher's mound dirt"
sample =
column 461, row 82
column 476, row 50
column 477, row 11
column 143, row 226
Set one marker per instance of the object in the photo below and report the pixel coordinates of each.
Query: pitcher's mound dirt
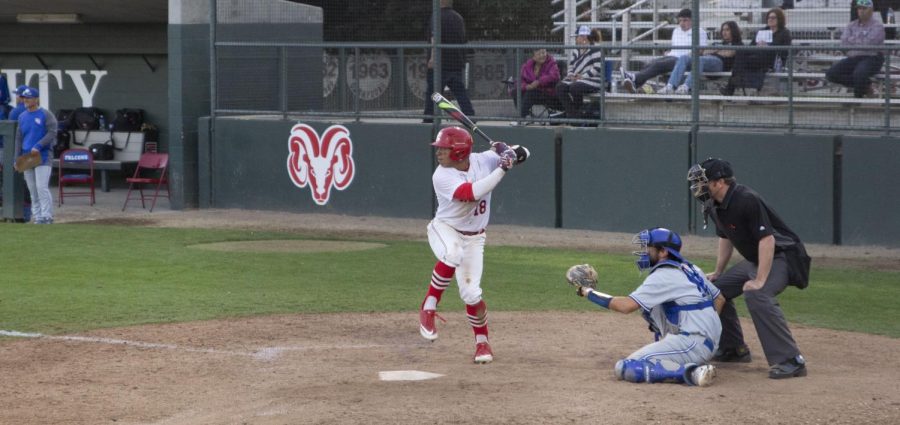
column 289, row 246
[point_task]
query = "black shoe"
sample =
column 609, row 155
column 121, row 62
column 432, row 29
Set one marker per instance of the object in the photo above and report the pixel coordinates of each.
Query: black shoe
column 792, row 368
column 732, row 355
column 727, row 90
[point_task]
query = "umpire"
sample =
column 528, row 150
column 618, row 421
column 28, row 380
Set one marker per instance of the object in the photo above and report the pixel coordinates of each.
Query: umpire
column 774, row 258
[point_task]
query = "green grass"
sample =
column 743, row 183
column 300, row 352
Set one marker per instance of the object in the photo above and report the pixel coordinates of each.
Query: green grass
column 68, row 278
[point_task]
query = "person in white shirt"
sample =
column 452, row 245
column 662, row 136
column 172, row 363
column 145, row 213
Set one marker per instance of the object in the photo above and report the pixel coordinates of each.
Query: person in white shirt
column 463, row 184
column 681, row 43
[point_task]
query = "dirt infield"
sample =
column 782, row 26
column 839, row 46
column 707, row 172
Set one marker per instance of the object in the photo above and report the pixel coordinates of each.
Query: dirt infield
column 550, row 368
column 323, row 369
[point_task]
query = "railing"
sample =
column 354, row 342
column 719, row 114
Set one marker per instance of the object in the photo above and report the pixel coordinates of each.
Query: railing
column 353, row 94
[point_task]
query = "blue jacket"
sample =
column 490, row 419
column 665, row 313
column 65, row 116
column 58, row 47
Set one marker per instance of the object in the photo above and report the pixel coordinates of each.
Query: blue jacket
column 14, row 114
column 37, row 130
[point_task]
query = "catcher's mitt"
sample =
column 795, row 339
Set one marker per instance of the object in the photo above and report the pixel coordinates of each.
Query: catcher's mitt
column 582, row 275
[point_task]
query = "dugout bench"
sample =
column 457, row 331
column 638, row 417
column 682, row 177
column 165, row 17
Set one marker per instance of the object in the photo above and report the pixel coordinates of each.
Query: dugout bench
column 130, row 143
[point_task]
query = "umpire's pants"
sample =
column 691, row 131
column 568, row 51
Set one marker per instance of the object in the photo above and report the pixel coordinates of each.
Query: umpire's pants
column 777, row 342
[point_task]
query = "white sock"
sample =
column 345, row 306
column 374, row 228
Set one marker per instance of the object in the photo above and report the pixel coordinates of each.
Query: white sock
column 430, row 303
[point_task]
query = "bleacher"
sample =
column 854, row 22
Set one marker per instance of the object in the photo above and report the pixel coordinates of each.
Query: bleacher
column 816, row 24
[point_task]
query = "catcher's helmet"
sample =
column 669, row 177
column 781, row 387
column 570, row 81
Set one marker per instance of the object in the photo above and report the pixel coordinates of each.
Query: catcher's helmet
column 658, row 237
column 457, row 139
column 699, row 176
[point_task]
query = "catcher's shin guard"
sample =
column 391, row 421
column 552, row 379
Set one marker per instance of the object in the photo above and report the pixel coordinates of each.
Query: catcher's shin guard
column 651, row 371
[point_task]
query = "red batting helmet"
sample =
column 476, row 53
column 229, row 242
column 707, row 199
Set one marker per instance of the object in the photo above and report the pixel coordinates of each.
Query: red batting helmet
column 457, row 139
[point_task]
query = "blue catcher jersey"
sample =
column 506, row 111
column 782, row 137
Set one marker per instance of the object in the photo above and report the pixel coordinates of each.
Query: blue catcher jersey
column 676, row 304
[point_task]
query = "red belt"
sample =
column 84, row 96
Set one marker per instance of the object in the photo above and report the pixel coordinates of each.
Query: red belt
column 470, row 233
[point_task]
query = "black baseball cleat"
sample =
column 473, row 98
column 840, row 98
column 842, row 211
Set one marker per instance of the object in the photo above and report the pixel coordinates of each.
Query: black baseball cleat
column 732, row 355
column 792, row 368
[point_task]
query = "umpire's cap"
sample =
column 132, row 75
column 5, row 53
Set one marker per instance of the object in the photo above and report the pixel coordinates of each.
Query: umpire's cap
column 717, row 168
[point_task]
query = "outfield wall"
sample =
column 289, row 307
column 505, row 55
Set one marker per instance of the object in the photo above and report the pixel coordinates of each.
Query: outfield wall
column 824, row 186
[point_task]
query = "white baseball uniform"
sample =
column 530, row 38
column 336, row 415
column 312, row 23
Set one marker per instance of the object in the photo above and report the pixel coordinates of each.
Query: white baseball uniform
column 456, row 234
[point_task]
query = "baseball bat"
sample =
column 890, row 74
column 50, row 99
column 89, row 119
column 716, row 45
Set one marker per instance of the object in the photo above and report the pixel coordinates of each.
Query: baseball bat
column 458, row 115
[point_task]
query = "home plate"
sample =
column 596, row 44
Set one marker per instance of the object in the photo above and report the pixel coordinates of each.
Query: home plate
column 407, row 375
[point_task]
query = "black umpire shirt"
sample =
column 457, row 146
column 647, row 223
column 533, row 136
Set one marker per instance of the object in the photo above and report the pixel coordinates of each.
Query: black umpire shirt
column 744, row 218
column 453, row 31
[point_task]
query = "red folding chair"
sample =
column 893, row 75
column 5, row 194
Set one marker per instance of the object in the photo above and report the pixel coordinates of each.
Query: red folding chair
column 151, row 169
column 83, row 160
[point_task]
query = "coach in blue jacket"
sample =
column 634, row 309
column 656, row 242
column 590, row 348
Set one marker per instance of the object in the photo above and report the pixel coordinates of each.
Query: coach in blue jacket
column 36, row 133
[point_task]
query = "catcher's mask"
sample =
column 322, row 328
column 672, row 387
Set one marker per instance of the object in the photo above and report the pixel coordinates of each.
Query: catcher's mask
column 457, row 139
column 699, row 176
column 658, row 237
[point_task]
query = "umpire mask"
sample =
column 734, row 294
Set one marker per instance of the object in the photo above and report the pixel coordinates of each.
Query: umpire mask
column 699, row 183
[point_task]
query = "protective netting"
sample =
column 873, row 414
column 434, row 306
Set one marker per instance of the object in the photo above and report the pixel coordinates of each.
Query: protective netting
column 803, row 64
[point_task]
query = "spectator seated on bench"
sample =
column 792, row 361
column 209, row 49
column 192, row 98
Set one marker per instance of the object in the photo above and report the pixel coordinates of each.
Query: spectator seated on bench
column 712, row 60
column 860, row 65
column 750, row 67
column 537, row 83
column 681, row 37
column 585, row 74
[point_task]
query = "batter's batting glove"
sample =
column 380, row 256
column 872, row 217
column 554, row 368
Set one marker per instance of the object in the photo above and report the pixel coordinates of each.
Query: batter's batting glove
column 507, row 160
column 499, row 147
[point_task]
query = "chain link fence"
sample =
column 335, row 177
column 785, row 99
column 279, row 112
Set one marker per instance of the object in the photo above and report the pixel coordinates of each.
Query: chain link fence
column 795, row 66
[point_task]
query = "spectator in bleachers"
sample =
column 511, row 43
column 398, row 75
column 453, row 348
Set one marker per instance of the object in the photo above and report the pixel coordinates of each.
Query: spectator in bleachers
column 537, row 81
column 750, row 67
column 681, row 37
column 585, row 73
column 712, row 60
column 860, row 65
column 882, row 7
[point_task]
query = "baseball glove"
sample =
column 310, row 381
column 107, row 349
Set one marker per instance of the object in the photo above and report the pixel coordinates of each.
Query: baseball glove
column 28, row 161
column 582, row 276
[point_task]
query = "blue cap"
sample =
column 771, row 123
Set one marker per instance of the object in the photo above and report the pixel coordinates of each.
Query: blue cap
column 30, row 93
column 20, row 89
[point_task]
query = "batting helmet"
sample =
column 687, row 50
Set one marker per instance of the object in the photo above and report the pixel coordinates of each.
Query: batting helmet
column 660, row 238
column 457, row 139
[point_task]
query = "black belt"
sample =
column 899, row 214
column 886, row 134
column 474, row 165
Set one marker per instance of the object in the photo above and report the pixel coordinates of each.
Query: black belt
column 464, row 233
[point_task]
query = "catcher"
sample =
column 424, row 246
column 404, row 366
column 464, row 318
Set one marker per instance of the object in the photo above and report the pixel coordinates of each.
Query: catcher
column 677, row 300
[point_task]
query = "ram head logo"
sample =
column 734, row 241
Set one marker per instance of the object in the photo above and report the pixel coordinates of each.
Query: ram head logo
column 321, row 163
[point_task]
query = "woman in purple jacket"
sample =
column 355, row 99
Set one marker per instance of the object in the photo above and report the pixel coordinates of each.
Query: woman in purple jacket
column 537, row 80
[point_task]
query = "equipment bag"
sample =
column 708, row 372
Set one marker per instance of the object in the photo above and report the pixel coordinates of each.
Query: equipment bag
column 85, row 119
column 798, row 265
column 128, row 119
column 103, row 151
column 63, row 142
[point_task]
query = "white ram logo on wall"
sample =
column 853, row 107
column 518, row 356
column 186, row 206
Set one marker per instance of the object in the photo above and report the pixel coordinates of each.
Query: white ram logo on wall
column 321, row 163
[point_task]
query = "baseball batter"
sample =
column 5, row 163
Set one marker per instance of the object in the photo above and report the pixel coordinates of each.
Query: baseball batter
column 463, row 182
column 681, row 306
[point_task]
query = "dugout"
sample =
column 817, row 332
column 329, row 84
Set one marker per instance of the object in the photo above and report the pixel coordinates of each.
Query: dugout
column 155, row 55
